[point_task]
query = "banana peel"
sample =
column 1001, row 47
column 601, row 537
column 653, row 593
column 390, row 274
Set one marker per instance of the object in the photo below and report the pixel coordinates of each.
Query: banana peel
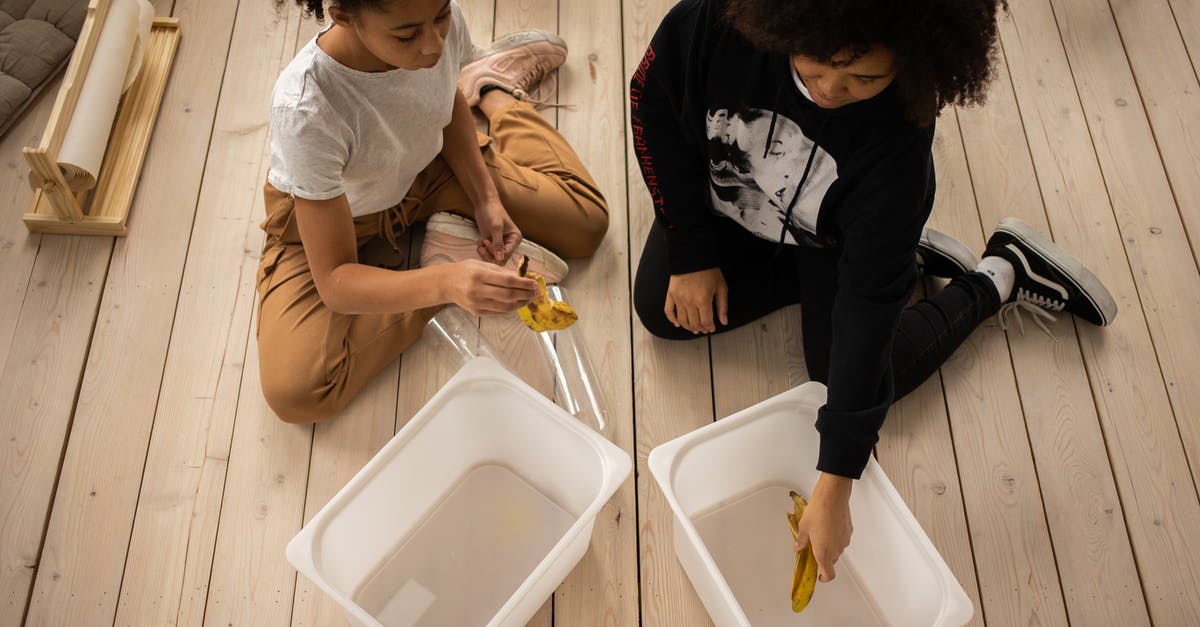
column 804, row 577
column 543, row 314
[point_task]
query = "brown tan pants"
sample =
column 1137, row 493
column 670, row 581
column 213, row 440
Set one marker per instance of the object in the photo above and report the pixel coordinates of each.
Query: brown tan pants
column 313, row 360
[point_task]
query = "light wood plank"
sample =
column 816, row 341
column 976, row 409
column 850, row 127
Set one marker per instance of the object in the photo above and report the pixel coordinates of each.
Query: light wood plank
column 916, row 447
column 102, row 468
column 38, row 386
column 1018, row 577
column 672, row 386
column 263, row 507
column 18, row 247
column 749, row 364
column 1187, row 20
column 1097, row 570
column 171, row 548
column 1171, row 96
column 1014, row 557
column 603, row 589
column 1148, row 459
column 916, row 452
column 1155, row 238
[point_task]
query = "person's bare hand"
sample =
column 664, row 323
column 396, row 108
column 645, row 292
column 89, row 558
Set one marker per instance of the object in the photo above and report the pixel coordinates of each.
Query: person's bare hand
column 484, row 288
column 498, row 234
column 690, row 300
column 826, row 524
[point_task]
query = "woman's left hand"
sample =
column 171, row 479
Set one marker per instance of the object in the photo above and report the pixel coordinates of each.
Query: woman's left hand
column 499, row 236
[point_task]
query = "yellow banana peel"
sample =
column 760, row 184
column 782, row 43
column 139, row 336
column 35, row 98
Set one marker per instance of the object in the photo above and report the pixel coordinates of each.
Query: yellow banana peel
column 804, row 577
column 543, row 314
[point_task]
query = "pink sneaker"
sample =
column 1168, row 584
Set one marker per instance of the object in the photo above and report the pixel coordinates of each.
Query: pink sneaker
column 450, row 238
column 517, row 63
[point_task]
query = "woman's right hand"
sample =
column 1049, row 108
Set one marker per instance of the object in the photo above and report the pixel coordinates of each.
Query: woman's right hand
column 690, row 300
column 485, row 289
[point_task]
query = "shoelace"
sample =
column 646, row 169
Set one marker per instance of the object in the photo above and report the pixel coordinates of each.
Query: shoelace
column 543, row 71
column 1036, row 305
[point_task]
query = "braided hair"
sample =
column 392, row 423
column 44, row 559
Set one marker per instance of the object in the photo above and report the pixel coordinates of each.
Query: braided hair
column 316, row 8
column 944, row 48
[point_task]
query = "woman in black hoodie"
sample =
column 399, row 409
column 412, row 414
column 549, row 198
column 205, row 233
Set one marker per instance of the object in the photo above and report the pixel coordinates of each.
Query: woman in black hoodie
column 786, row 145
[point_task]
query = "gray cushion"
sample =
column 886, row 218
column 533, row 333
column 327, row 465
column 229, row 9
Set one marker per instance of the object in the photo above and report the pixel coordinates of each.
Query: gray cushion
column 36, row 40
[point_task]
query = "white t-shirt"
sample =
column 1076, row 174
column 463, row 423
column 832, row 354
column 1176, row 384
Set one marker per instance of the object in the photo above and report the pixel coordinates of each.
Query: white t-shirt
column 336, row 130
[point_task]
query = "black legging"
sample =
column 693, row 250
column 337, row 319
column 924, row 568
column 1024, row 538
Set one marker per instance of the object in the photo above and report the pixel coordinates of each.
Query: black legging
column 761, row 282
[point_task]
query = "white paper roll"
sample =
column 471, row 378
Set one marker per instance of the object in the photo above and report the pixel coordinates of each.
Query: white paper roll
column 145, row 23
column 110, row 73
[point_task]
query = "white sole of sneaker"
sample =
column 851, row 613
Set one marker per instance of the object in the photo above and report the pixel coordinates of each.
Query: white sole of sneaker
column 1087, row 283
column 519, row 38
column 458, row 226
column 952, row 248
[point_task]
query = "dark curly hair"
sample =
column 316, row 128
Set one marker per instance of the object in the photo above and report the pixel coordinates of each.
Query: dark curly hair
column 316, row 8
column 944, row 49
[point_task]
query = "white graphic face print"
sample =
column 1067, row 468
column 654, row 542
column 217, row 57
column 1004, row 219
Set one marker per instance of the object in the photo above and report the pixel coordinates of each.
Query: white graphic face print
column 753, row 177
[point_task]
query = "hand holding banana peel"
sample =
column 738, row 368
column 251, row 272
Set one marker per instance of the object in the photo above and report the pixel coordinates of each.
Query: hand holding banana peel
column 543, row 314
column 804, row 577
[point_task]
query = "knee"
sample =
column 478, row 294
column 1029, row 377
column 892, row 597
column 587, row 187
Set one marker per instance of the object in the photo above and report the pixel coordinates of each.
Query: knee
column 590, row 231
column 297, row 401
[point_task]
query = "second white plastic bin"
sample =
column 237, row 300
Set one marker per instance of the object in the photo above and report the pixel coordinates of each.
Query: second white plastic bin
column 727, row 485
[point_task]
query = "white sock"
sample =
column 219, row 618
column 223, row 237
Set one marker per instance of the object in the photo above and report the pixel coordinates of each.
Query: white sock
column 1002, row 274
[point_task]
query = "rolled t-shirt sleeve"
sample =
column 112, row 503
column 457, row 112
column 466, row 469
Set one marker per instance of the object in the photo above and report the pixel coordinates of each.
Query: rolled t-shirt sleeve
column 308, row 153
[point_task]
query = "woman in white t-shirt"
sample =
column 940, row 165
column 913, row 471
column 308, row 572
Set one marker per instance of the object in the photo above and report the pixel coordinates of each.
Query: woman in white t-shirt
column 371, row 131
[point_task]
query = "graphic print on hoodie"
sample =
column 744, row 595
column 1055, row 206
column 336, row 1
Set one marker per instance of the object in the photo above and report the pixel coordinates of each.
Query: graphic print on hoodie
column 754, row 170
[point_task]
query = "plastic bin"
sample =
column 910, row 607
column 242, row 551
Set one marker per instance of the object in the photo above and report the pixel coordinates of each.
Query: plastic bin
column 727, row 485
column 472, row 514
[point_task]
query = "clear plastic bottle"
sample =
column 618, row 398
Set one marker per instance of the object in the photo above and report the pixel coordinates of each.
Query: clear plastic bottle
column 563, row 371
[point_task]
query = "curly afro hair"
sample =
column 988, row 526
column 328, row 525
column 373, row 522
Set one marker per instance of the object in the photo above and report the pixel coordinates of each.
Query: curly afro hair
column 944, row 48
column 316, row 8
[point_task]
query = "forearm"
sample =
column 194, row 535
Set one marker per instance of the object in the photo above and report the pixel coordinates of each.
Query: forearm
column 354, row 288
column 461, row 152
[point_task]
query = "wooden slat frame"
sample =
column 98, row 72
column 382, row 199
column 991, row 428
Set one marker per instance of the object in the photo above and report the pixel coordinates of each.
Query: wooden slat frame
column 55, row 209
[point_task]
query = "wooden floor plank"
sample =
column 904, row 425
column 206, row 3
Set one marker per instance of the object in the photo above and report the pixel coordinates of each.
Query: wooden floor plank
column 18, row 247
column 1187, row 21
column 1171, row 97
column 750, row 364
column 672, row 386
column 1014, row 557
column 603, row 588
column 1142, row 437
column 88, row 534
column 38, row 387
column 916, row 447
column 263, row 507
column 1096, row 564
column 171, row 550
column 1155, row 237
column 1172, row 101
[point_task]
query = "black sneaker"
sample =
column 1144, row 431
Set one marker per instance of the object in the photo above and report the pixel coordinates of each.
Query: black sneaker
column 1047, row 277
column 943, row 256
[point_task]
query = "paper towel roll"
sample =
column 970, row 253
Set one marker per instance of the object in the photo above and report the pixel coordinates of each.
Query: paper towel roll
column 117, row 59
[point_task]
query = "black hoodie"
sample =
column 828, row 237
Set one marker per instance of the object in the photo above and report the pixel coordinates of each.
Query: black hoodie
column 720, row 127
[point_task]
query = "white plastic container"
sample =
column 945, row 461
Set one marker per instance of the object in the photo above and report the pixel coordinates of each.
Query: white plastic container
column 471, row 515
column 727, row 485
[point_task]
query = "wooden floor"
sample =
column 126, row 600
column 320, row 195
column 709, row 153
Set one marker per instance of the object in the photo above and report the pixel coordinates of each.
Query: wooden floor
column 143, row 480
